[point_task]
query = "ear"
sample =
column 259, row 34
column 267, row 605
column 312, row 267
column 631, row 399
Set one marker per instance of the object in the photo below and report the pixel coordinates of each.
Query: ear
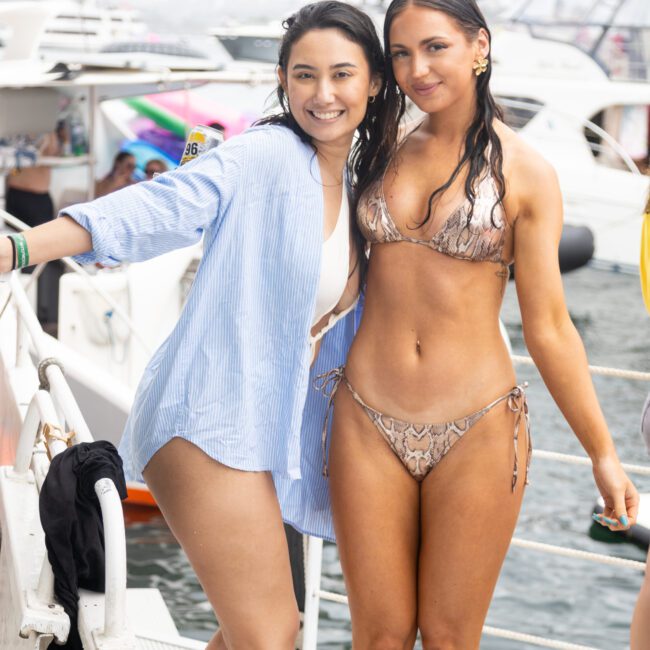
column 282, row 79
column 482, row 43
column 375, row 84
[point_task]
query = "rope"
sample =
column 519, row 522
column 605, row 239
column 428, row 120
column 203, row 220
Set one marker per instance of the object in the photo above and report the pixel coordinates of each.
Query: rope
column 533, row 640
column 594, row 370
column 583, row 460
column 598, row 558
column 488, row 631
column 42, row 375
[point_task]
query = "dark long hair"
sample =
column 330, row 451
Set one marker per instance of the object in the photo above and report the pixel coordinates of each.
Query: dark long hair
column 480, row 137
column 357, row 26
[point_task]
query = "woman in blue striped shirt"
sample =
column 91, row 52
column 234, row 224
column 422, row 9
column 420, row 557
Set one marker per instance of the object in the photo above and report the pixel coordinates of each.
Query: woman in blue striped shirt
column 216, row 423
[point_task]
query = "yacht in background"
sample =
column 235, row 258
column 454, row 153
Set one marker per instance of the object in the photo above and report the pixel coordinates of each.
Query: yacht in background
column 577, row 87
column 84, row 27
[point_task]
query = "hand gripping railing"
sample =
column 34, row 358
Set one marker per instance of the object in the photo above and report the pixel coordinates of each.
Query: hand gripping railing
column 32, row 453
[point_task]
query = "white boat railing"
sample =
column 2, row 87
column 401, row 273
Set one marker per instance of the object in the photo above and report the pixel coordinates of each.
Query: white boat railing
column 51, row 423
column 314, row 552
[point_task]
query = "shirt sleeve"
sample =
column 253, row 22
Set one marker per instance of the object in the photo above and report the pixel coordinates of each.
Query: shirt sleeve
column 172, row 211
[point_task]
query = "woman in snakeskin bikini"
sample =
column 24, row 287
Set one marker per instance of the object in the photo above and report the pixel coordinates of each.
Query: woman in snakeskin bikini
column 430, row 441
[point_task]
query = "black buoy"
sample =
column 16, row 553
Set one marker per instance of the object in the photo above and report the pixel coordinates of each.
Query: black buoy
column 576, row 247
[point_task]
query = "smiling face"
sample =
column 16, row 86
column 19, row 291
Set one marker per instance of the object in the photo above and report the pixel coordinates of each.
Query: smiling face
column 432, row 58
column 328, row 82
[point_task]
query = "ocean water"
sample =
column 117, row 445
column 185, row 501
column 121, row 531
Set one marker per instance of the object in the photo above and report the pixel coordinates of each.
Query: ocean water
column 538, row 594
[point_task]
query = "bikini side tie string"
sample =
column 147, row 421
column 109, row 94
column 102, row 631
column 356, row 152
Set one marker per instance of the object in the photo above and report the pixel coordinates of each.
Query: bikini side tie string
column 328, row 383
column 518, row 404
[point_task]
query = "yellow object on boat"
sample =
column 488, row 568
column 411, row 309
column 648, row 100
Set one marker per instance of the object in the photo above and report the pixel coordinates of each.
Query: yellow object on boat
column 645, row 256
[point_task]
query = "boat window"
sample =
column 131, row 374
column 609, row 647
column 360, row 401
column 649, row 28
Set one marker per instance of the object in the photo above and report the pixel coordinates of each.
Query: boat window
column 629, row 126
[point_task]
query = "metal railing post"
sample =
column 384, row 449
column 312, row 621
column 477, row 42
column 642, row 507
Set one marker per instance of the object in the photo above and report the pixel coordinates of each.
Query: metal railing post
column 115, row 544
column 312, row 593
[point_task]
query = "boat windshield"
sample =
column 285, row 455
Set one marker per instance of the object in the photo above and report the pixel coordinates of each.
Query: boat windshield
column 615, row 33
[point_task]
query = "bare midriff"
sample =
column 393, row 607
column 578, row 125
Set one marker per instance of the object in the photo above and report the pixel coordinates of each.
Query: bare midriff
column 429, row 347
column 31, row 179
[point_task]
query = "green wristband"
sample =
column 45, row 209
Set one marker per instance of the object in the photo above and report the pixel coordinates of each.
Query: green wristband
column 22, row 253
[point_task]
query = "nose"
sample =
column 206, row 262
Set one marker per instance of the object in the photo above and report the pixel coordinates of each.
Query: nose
column 419, row 67
column 325, row 92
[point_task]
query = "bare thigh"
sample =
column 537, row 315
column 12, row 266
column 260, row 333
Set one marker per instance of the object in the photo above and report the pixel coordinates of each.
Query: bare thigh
column 468, row 515
column 375, row 503
column 229, row 524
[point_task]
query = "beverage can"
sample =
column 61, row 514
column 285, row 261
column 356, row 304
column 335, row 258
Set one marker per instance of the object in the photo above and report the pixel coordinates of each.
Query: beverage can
column 201, row 139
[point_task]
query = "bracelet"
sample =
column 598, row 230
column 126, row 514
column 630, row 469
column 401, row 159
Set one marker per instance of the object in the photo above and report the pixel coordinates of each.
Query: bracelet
column 13, row 253
column 21, row 251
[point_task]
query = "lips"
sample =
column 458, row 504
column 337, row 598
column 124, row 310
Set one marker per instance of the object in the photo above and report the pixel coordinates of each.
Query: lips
column 326, row 116
column 426, row 89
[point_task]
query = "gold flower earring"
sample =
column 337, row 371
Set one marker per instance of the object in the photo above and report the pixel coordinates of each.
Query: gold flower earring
column 480, row 66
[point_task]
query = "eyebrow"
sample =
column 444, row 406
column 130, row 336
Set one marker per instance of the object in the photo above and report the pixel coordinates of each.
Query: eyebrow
column 424, row 41
column 304, row 66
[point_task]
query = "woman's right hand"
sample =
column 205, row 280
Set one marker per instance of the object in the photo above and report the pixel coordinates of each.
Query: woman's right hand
column 619, row 494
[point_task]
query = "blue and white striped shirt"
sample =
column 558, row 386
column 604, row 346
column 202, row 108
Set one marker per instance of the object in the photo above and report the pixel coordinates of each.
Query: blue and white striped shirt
column 234, row 377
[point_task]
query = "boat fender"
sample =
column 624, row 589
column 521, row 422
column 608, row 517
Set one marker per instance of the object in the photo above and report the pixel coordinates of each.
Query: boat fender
column 576, row 247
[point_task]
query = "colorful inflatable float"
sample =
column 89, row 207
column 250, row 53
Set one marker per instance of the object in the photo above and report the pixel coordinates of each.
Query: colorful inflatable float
column 164, row 120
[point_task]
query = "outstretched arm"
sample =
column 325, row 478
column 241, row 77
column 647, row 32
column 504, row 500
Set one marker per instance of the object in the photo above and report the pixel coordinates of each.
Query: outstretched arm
column 59, row 238
column 143, row 220
column 552, row 339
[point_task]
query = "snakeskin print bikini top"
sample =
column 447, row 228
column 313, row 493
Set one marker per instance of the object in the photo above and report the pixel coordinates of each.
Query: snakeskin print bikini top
column 481, row 239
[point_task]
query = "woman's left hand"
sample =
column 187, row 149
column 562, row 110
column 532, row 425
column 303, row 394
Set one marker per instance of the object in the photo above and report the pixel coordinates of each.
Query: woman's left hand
column 620, row 496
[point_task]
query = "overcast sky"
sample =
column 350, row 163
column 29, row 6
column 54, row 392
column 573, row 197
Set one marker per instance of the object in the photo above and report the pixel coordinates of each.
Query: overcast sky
column 197, row 16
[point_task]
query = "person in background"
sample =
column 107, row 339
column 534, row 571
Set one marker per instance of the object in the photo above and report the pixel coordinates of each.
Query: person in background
column 153, row 167
column 28, row 199
column 120, row 175
column 640, row 631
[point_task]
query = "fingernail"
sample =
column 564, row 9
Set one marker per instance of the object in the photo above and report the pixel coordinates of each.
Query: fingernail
column 596, row 517
column 624, row 520
column 611, row 522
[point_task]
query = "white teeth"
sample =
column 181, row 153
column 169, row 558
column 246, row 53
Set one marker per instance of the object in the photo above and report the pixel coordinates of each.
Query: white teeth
column 327, row 116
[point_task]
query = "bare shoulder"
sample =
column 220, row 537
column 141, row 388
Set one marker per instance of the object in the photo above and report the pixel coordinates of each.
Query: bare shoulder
column 529, row 176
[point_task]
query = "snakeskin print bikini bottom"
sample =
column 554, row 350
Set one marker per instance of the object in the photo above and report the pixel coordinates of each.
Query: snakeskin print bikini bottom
column 420, row 447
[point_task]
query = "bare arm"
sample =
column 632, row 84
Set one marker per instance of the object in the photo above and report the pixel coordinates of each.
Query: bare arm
column 58, row 238
column 551, row 337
